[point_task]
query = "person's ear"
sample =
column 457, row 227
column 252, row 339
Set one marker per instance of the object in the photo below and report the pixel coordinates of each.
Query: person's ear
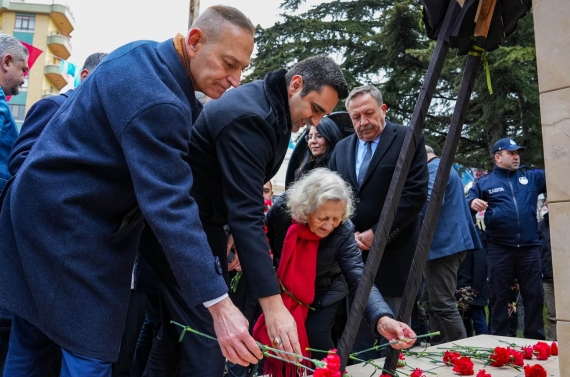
column 7, row 60
column 193, row 42
column 384, row 108
column 84, row 74
column 296, row 85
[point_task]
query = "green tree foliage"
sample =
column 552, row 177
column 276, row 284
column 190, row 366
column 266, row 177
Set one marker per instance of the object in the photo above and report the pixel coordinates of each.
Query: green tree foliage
column 380, row 42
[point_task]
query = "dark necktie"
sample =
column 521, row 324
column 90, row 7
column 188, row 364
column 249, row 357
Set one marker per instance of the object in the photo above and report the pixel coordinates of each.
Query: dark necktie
column 365, row 163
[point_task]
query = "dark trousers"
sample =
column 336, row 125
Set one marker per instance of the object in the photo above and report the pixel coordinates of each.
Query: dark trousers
column 31, row 354
column 319, row 325
column 439, row 293
column 135, row 318
column 195, row 355
column 475, row 320
column 251, row 310
column 148, row 334
column 505, row 265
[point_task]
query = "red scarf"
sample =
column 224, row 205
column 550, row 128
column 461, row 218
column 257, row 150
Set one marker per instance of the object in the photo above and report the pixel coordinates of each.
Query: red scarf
column 297, row 271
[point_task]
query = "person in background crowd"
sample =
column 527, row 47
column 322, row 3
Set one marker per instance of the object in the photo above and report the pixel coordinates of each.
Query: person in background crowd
column 238, row 293
column 509, row 197
column 320, row 263
column 472, row 274
column 321, row 141
column 72, row 218
column 455, row 234
column 14, row 60
column 238, row 143
column 366, row 160
column 267, row 195
column 547, row 277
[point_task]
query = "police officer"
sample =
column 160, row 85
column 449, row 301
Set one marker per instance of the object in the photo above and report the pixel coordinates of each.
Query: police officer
column 509, row 197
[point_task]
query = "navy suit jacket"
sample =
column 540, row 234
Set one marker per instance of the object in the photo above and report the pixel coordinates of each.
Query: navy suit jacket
column 72, row 217
column 399, row 253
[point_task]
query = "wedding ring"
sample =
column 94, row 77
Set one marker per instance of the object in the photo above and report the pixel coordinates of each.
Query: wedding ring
column 277, row 342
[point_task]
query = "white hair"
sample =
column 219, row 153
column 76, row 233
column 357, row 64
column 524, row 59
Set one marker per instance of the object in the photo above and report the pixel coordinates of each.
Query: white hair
column 315, row 188
column 12, row 46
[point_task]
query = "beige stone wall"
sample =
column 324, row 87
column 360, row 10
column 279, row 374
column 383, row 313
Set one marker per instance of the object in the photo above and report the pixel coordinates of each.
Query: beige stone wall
column 37, row 78
column 8, row 21
column 552, row 33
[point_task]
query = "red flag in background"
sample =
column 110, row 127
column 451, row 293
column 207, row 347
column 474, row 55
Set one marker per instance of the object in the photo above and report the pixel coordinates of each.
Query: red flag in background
column 33, row 55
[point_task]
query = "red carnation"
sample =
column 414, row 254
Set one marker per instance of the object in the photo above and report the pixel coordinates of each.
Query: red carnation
column 554, row 349
column 483, row 373
column 527, row 352
column 542, row 349
column 401, row 361
column 331, row 368
column 463, row 366
column 500, row 357
column 517, row 357
column 385, row 375
column 321, row 372
column 450, row 357
column 535, row 371
column 417, row 373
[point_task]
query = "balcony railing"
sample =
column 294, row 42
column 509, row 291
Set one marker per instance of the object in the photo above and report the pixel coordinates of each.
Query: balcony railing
column 57, row 32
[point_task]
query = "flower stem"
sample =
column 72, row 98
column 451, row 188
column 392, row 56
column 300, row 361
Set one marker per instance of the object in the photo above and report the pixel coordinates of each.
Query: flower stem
column 385, row 345
column 294, row 363
column 378, row 367
column 186, row 328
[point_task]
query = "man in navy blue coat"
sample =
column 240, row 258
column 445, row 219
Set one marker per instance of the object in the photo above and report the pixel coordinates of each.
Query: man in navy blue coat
column 509, row 197
column 454, row 235
column 72, row 217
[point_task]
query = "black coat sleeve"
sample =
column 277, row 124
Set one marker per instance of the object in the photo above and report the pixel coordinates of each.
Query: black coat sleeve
column 245, row 148
column 349, row 259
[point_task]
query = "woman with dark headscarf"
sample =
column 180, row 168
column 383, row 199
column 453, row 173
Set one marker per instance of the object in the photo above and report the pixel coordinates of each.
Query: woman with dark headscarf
column 321, row 141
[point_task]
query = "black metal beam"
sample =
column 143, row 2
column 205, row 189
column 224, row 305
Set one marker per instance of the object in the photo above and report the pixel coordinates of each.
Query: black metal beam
column 434, row 205
column 395, row 191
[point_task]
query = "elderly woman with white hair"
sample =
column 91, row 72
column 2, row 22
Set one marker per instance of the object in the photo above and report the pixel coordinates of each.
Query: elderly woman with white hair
column 320, row 262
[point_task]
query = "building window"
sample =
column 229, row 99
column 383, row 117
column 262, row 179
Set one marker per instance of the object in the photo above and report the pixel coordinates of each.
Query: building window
column 25, row 22
column 18, row 111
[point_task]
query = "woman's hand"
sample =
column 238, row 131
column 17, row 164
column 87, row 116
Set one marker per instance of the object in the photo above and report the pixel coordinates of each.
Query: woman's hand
column 394, row 330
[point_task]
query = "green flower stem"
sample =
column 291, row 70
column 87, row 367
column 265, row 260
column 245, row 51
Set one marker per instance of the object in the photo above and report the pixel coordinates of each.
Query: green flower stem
column 316, row 350
column 264, row 348
column 378, row 367
column 234, row 282
column 385, row 345
column 291, row 295
column 423, row 371
column 186, row 328
column 267, row 354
